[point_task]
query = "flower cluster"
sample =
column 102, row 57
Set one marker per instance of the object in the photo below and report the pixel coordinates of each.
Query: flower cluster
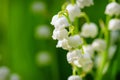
column 72, row 37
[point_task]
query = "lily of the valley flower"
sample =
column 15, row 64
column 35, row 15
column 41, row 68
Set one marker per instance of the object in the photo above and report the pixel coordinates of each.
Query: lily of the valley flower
column 99, row 45
column 84, row 3
column 59, row 22
column 88, row 49
column 60, row 34
column 89, row 30
column 73, row 11
column 114, row 24
column 113, row 8
column 64, row 44
column 75, row 41
column 74, row 56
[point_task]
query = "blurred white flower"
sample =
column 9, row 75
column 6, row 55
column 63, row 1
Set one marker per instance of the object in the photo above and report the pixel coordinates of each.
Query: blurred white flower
column 88, row 49
column 42, row 31
column 73, row 11
column 59, row 22
column 105, row 69
column 97, row 60
column 4, row 72
column 84, row 3
column 112, row 50
column 114, row 24
column 75, row 41
column 60, row 34
column 14, row 77
column 99, row 45
column 113, row 8
column 38, row 7
column 74, row 56
column 74, row 77
column 64, row 44
column 87, row 66
column 89, row 30
column 114, row 36
column 43, row 58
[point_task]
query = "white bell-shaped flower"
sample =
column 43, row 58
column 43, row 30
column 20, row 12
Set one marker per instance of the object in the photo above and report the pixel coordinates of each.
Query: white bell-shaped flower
column 75, row 41
column 89, row 30
column 113, row 8
column 74, row 77
column 88, row 65
column 73, row 11
column 88, row 49
column 114, row 24
column 84, row 3
column 59, row 22
column 60, row 34
column 99, row 45
column 74, row 56
column 64, row 44
column 54, row 19
column 85, row 61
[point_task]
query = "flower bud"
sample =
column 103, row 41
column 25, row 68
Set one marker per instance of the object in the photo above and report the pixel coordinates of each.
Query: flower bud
column 75, row 41
column 114, row 24
column 73, row 11
column 99, row 45
column 74, row 77
column 60, row 34
column 89, row 30
column 113, row 8
column 84, row 3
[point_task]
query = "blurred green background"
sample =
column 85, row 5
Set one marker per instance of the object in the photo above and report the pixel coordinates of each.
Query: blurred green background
column 21, row 44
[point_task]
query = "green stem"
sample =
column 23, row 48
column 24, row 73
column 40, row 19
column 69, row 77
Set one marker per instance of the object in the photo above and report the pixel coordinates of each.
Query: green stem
column 74, row 70
column 76, row 28
column 105, row 54
column 84, row 15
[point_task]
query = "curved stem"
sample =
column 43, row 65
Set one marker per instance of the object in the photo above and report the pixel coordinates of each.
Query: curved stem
column 84, row 15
